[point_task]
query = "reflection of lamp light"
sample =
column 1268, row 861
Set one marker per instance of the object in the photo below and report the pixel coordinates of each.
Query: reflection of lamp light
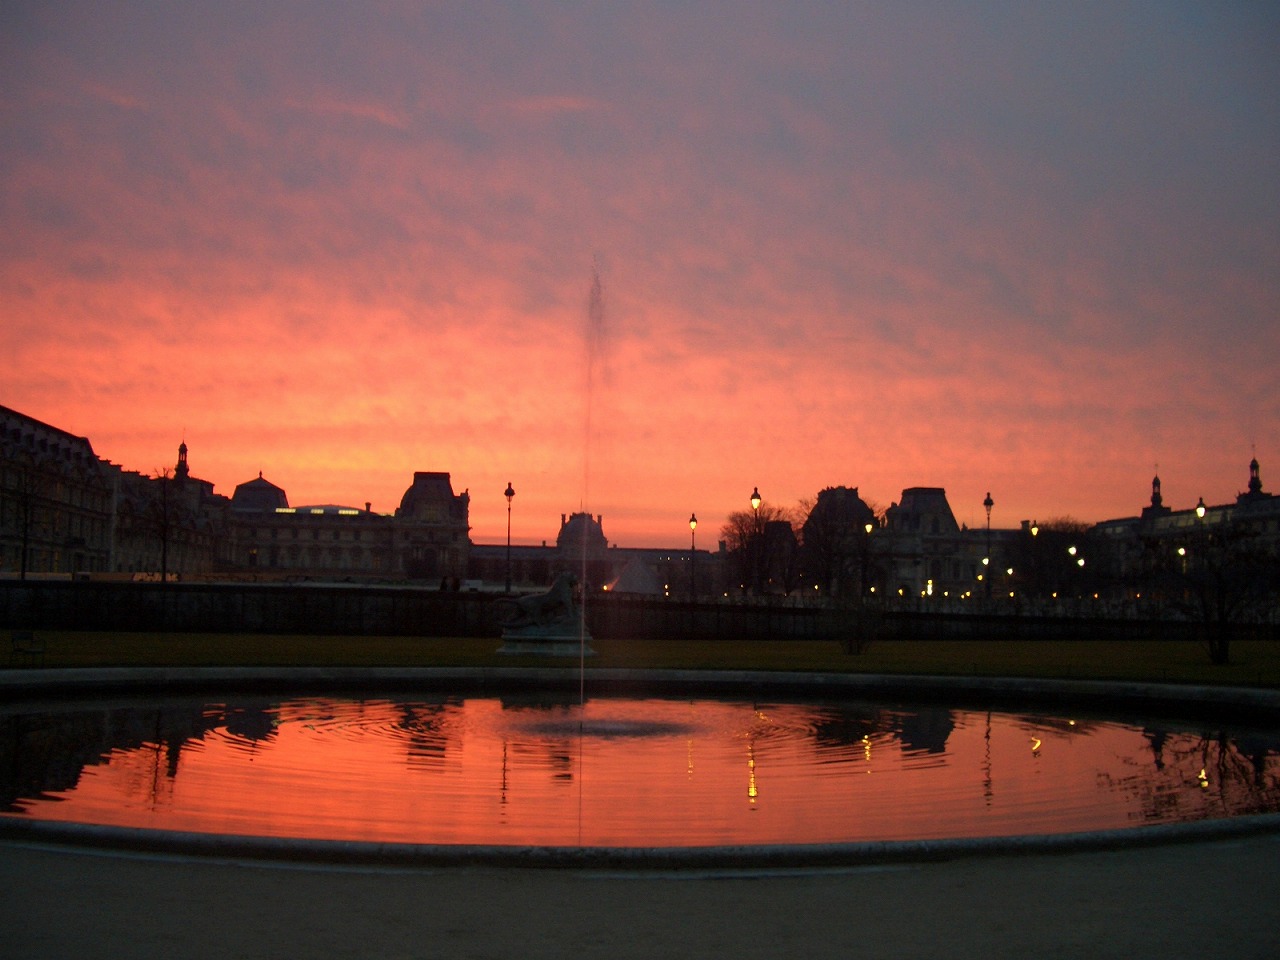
column 752, row 792
column 502, row 797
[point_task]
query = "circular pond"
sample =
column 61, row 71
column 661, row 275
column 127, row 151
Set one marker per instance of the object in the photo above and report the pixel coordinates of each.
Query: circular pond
column 525, row 770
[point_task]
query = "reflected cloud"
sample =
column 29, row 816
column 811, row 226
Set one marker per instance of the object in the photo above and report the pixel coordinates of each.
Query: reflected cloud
column 617, row 772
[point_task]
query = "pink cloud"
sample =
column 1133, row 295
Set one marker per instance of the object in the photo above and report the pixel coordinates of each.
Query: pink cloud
column 868, row 257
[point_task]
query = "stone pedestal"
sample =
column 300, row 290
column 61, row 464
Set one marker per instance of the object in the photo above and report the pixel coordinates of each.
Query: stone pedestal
column 562, row 638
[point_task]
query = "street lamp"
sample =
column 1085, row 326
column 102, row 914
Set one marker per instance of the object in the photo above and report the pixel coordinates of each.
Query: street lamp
column 988, row 503
column 1200, row 508
column 509, row 493
column 693, row 546
column 866, row 558
column 755, row 547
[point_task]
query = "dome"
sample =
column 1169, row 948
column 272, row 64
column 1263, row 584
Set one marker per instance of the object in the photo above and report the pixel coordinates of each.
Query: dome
column 580, row 527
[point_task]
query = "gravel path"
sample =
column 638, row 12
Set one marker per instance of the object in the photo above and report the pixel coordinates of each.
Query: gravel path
column 1196, row 900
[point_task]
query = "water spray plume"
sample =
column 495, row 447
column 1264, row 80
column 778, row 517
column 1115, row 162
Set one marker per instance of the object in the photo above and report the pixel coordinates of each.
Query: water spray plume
column 594, row 339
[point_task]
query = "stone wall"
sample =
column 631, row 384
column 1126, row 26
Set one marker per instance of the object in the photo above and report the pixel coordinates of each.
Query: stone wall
column 414, row 611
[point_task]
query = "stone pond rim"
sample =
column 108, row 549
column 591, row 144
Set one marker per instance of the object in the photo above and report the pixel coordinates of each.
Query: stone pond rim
column 1233, row 704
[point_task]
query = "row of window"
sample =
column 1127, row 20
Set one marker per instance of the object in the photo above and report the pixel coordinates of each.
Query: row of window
column 41, row 560
column 45, row 486
column 275, row 533
column 334, row 558
column 49, row 522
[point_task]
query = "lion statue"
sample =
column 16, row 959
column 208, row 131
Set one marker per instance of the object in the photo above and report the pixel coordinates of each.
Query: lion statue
column 542, row 609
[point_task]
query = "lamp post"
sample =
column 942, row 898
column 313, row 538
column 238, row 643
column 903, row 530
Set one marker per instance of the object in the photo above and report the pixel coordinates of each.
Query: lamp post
column 1075, row 555
column 866, row 558
column 693, row 546
column 1035, row 579
column 988, row 503
column 1201, row 539
column 509, row 493
column 756, row 545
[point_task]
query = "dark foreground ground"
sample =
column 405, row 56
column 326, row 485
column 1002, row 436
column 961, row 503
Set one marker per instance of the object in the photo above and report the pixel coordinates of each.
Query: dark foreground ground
column 1197, row 900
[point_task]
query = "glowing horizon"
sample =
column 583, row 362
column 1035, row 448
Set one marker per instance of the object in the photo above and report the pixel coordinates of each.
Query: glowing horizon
column 1024, row 251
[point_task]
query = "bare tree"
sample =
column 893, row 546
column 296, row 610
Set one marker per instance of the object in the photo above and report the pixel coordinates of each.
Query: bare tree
column 26, row 490
column 1220, row 577
column 163, row 516
column 744, row 525
column 744, row 537
column 1047, row 560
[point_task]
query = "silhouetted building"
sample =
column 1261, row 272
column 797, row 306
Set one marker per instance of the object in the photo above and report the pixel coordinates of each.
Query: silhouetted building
column 836, row 556
column 637, row 570
column 1156, row 508
column 1254, row 493
column 259, row 494
column 1130, row 550
column 433, row 528
column 173, row 524
column 425, row 539
column 55, row 499
column 922, row 551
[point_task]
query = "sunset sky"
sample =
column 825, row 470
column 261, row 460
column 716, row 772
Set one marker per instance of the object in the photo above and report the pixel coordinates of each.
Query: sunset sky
column 1026, row 248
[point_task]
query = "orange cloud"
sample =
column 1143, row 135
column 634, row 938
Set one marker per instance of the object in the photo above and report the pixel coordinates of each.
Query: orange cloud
column 861, row 250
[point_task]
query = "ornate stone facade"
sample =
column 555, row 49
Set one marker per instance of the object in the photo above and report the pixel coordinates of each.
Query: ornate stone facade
column 64, row 510
column 425, row 539
column 56, row 499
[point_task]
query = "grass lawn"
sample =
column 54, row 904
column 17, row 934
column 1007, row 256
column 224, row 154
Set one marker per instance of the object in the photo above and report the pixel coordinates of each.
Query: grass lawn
column 1253, row 663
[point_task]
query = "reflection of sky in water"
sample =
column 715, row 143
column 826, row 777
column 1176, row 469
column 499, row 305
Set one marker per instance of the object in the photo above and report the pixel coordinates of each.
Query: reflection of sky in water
column 620, row 772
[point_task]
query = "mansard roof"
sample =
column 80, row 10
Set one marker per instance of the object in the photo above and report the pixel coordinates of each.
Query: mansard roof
column 258, row 494
column 21, row 433
column 433, row 491
column 923, row 510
